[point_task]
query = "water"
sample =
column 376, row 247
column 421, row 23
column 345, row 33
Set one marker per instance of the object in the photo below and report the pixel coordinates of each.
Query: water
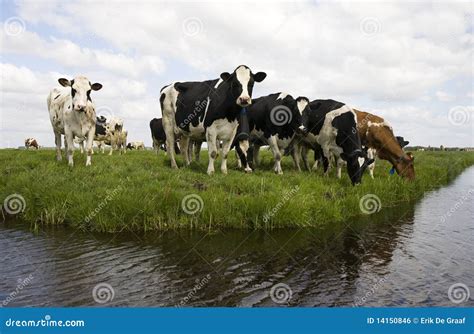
column 407, row 256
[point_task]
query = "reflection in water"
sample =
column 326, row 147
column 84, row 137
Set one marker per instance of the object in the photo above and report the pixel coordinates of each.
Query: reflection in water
column 406, row 256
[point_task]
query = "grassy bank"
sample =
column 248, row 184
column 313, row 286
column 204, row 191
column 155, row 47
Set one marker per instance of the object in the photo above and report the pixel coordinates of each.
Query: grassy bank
column 139, row 191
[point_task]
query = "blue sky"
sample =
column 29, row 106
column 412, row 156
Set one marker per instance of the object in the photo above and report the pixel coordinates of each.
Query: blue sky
column 408, row 62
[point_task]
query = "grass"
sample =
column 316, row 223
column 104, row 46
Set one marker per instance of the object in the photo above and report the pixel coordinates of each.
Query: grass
column 140, row 192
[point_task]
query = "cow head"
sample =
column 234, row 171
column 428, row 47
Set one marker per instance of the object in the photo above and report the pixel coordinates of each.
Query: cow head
column 241, row 84
column 347, row 138
column 380, row 136
column 302, row 105
column 80, row 91
column 287, row 114
column 354, row 168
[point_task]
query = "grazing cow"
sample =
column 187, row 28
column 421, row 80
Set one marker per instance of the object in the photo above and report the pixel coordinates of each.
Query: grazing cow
column 376, row 133
column 158, row 136
column 333, row 126
column 31, row 142
column 136, row 145
column 274, row 120
column 72, row 114
column 207, row 110
column 372, row 153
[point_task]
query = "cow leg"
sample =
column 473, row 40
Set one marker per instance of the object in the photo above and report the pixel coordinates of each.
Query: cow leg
column 69, row 140
column 296, row 154
column 57, row 140
column 197, row 150
column 242, row 150
column 170, row 139
column 237, row 156
column 211, row 137
column 339, row 164
column 304, row 157
column 185, row 143
column 89, row 142
column 226, row 145
column 326, row 156
column 272, row 142
column 255, row 155
column 81, row 146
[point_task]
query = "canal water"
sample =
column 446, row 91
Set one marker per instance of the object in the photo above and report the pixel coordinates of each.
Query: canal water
column 412, row 255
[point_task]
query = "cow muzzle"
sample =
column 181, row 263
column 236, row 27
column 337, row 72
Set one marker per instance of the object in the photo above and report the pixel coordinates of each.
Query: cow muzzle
column 244, row 101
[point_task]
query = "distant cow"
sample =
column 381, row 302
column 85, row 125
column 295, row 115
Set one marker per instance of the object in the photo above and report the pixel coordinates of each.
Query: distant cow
column 108, row 132
column 274, row 120
column 333, row 126
column 31, row 142
column 158, row 136
column 207, row 110
column 376, row 133
column 72, row 114
column 136, row 145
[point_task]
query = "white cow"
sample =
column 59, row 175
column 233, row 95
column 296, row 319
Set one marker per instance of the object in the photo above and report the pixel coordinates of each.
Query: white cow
column 72, row 114
column 136, row 145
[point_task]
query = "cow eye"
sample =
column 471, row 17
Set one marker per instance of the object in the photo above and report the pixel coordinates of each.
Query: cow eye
column 73, row 92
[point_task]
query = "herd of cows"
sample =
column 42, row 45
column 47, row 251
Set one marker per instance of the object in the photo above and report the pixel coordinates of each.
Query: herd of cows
column 223, row 113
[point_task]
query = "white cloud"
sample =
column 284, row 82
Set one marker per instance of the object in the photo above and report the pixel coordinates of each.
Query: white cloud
column 444, row 96
column 320, row 50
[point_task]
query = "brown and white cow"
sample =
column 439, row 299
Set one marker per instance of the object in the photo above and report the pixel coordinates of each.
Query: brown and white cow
column 72, row 114
column 376, row 133
column 31, row 142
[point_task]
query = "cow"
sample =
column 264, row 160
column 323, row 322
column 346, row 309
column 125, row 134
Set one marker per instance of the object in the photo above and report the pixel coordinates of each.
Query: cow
column 274, row 120
column 72, row 114
column 207, row 110
column 333, row 126
column 377, row 133
column 372, row 153
column 107, row 132
column 136, row 145
column 158, row 136
column 31, row 142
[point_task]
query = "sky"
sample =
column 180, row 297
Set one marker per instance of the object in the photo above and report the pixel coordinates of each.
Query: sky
column 409, row 62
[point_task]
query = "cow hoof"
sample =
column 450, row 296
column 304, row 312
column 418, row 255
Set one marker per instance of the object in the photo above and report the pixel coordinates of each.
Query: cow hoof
column 210, row 172
column 248, row 170
column 224, row 171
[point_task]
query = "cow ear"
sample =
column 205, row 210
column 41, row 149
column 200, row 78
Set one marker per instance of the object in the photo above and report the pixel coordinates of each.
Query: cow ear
column 225, row 76
column 64, row 82
column 260, row 76
column 96, row 86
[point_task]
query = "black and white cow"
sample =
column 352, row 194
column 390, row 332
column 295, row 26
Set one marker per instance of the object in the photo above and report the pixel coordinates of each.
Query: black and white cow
column 158, row 136
column 72, row 114
column 333, row 125
column 207, row 110
column 274, row 120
